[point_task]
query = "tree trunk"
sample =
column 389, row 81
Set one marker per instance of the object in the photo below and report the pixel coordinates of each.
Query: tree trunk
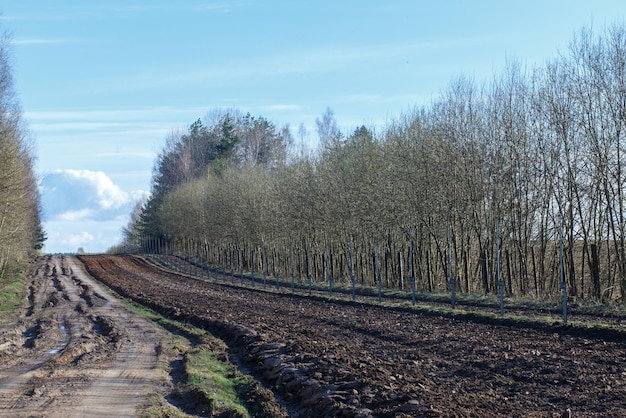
column 485, row 272
column 595, row 272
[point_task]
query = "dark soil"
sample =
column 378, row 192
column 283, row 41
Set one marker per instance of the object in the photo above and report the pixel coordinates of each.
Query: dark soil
column 326, row 358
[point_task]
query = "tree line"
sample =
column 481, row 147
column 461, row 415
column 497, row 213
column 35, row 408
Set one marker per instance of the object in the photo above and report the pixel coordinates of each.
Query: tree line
column 536, row 153
column 21, row 233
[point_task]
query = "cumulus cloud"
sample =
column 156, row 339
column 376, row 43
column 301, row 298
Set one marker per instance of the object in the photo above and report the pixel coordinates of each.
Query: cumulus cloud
column 93, row 236
column 84, row 208
column 82, row 194
column 78, row 240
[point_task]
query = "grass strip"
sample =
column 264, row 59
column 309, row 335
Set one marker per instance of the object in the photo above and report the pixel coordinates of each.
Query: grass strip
column 210, row 378
column 11, row 295
column 215, row 382
column 209, row 381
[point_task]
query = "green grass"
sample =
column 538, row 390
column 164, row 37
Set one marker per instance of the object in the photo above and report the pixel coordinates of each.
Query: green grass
column 177, row 328
column 11, row 295
column 156, row 409
column 216, row 381
column 210, row 378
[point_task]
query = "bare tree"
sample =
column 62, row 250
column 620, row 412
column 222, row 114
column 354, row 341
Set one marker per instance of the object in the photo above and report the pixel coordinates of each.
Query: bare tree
column 523, row 152
column 327, row 129
column 20, row 224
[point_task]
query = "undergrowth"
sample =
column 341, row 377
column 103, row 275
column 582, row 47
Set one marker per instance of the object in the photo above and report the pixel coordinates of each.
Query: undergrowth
column 11, row 294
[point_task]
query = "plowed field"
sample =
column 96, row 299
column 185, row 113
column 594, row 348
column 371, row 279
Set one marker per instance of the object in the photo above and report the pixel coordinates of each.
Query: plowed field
column 331, row 358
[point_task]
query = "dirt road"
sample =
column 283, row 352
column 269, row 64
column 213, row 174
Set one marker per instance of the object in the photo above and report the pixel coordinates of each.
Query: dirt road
column 76, row 351
column 342, row 359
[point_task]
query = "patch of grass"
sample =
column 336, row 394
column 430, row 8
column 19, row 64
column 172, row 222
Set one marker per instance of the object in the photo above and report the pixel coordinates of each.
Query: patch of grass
column 210, row 378
column 157, row 408
column 215, row 381
column 11, row 295
column 177, row 328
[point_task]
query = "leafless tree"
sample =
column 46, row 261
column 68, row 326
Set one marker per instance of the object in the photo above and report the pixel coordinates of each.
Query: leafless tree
column 21, row 233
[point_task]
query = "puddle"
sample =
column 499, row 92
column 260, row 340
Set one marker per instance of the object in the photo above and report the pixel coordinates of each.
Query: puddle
column 60, row 347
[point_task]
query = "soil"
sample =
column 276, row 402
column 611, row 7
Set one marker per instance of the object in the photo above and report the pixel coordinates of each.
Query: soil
column 75, row 351
column 333, row 358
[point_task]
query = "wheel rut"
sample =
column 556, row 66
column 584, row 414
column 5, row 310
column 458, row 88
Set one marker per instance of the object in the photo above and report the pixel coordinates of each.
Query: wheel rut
column 76, row 351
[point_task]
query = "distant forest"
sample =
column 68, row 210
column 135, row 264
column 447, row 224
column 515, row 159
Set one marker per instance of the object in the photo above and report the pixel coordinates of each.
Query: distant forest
column 537, row 152
column 21, row 234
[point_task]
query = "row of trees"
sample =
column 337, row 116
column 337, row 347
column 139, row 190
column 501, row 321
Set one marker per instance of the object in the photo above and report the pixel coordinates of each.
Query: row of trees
column 527, row 152
column 21, row 234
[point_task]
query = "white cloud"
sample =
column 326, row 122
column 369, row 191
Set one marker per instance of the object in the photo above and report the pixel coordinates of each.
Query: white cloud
column 147, row 126
column 179, row 7
column 83, row 194
column 93, row 236
column 79, row 191
column 42, row 41
column 84, row 208
column 78, row 240
column 281, row 107
column 150, row 113
column 76, row 215
column 109, row 194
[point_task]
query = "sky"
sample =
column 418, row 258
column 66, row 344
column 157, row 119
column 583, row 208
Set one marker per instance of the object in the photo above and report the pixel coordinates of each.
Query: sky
column 103, row 83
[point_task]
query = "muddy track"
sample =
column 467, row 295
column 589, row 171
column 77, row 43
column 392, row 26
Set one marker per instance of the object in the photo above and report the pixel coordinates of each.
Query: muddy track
column 76, row 351
column 345, row 359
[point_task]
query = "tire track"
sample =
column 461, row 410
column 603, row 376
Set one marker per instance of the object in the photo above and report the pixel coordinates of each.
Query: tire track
column 76, row 351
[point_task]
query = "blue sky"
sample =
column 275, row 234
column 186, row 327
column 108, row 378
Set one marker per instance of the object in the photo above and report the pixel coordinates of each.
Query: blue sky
column 102, row 83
